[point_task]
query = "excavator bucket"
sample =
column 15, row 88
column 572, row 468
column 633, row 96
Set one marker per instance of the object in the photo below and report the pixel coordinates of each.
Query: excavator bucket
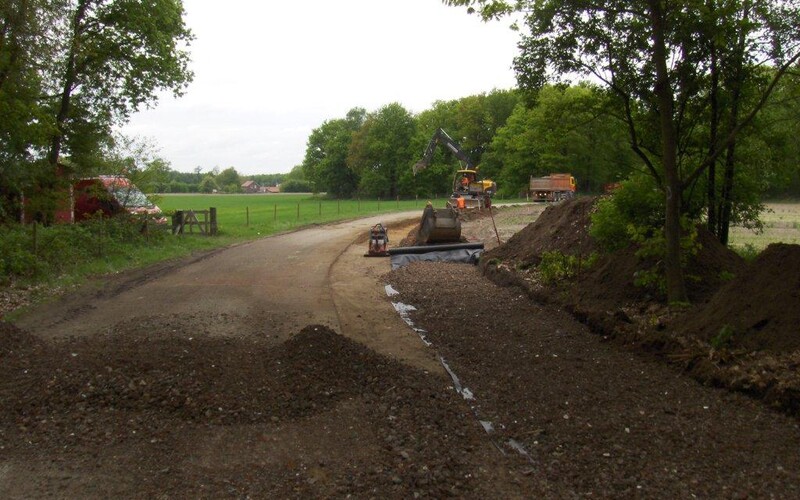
column 438, row 240
column 439, row 225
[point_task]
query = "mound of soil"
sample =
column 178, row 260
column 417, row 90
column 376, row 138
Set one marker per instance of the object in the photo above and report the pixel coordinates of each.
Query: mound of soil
column 610, row 284
column 125, row 406
column 563, row 228
column 758, row 309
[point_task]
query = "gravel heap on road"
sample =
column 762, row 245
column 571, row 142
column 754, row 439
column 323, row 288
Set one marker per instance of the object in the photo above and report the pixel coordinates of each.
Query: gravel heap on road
column 77, row 401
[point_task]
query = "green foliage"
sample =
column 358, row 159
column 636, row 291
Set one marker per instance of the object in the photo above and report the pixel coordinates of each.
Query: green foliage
column 723, row 338
column 325, row 164
column 296, row 186
column 567, row 129
column 37, row 253
column 653, row 248
column 208, row 184
column 379, row 152
column 634, row 211
column 557, row 266
column 230, row 179
column 747, row 251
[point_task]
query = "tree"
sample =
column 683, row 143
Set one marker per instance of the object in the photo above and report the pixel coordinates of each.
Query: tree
column 229, row 178
column 208, row 184
column 567, row 129
column 25, row 123
column 117, row 55
column 665, row 72
column 380, row 152
column 325, row 163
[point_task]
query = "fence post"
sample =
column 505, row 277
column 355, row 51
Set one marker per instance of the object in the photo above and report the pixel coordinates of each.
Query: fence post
column 247, row 216
column 398, row 202
column 212, row 213
column 359, row 204
column 379, row 203
column 275, row 213
column 320, row 209
column 177, row 222
column 298, row 211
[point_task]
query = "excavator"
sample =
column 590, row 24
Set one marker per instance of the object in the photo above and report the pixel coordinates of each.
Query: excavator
column 439, row 234
column 469, row 190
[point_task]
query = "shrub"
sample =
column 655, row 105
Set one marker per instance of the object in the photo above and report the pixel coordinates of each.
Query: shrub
column 556, row 266
column 636, row 208
column 296, row 186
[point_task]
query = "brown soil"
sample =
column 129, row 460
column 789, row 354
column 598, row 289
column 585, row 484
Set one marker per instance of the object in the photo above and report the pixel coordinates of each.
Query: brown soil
column 595, row 419
column 759, row 306
column 206, row 380
column 562, row 228
column 741, row 333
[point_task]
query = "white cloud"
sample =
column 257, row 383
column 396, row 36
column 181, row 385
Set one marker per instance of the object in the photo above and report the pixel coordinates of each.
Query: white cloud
column 268, row 72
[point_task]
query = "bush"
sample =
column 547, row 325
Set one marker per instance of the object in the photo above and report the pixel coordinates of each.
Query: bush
column 635, row 209
column 556, row 266
column 41, row 252
column 635, row 213
column 296, row 186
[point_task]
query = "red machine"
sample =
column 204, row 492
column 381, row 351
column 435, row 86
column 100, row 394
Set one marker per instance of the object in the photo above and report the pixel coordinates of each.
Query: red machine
column 378, row 241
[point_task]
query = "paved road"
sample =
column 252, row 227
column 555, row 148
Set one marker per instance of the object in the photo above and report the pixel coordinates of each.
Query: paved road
column 275, row 285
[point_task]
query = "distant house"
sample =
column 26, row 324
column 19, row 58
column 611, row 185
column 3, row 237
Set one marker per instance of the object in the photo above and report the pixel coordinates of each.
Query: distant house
column 273, row 189
column 250, row 187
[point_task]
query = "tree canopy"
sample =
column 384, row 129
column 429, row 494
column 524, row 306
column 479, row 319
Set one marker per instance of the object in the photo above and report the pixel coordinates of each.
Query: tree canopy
column 72, row 69
column 690, row 76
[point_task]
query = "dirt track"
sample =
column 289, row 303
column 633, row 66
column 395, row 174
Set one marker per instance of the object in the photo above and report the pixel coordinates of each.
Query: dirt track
column 224, row 378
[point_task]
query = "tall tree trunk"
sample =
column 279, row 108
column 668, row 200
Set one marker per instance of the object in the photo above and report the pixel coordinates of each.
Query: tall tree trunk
column 727, row 194
column 676, row 287
column 735, row 82
column 712, row 140
column 68, row 85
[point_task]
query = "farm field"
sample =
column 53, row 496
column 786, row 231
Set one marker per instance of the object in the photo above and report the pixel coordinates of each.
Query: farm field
column 781, row 225
column 249, row 216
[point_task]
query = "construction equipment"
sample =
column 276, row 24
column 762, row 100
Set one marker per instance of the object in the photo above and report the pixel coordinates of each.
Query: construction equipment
column 553, row 187
column 438, row 240
column 378, row 241
column 439, row 225
column 476, row 192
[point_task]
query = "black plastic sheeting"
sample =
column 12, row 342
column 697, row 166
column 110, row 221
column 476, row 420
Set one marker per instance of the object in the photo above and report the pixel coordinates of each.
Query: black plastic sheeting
column 436, row 248
column 461, row 255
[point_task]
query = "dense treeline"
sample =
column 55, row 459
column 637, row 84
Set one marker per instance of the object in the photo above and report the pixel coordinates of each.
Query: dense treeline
column 566, row 130
column 514, row 135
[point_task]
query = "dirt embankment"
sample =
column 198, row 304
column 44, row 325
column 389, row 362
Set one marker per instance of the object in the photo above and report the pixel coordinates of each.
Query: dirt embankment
column 741, row 331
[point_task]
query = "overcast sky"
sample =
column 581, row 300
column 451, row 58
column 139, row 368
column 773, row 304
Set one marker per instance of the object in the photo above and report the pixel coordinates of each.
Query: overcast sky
column 267, row 72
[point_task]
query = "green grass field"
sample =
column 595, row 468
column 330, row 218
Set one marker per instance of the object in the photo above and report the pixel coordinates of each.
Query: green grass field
column 251, row 216
column 781, row 225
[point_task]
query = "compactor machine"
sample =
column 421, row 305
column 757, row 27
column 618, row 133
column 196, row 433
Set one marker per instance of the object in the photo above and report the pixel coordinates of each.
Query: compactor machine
column 378, row 241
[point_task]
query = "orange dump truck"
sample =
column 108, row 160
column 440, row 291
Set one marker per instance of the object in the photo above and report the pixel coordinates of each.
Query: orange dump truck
column 553, row 187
